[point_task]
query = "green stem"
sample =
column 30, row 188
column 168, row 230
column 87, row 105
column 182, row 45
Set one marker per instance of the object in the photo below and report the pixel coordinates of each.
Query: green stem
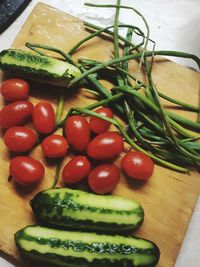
column 60, row 107
column 58, row 168
column 178, row 102
column 133, row 56
column 106, row 30
column 50, row 48
column 103, row 102
column 130, row 141
column 153, row 107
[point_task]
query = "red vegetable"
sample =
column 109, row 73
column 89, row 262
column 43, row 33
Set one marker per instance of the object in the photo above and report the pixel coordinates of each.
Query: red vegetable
column 15, row 89
column 98, row 125
column 15, row 113
column 78, row 132
column 26, row 170
column 20, row 139
column 137, row 165
column 44, row 117
column 106, row 145
column 76, row 170
column 104, row 178
column 54, row 146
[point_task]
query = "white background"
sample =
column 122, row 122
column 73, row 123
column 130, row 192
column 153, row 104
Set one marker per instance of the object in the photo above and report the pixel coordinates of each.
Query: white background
column 175, row 25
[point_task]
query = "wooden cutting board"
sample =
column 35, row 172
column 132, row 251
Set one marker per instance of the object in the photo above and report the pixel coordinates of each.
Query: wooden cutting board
column 168, row 197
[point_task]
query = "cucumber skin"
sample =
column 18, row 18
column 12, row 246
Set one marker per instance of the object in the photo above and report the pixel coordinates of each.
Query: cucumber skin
column 41, row 75
column 71, row 261
column 43, row 202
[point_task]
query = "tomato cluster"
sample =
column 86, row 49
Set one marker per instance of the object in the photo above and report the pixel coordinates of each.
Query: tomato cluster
column 89, row 137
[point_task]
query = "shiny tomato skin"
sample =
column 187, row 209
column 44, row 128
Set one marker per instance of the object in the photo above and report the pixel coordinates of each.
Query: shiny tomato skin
column 15, row 89
column 104, row 178
column 76, row 170
column 16, row 113
column 78, row 132
column 20, row 139
column 44, row 117
column 137, row 165
column 98, row 125
column 107, row 145
column 26, row 170
column 54, row 146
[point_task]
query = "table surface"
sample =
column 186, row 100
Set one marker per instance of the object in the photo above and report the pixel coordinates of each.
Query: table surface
column 172, row 28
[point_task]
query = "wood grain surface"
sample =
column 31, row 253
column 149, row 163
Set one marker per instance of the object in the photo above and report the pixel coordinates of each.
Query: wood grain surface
column 168, row 197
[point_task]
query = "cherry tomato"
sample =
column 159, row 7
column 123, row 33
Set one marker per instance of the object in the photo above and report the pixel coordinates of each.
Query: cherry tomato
column 54, row 146
column 76, row 170
column 15, row 113
column 26, row 170
column 137, row 165
column 98, row 125
column 106, row 145
column 20, row 139
column 15, row 89
column 78, row 132
column 104, row 178
column 44, row 117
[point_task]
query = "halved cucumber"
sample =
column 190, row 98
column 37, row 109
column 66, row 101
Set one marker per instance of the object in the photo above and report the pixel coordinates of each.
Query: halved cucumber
column 42, row 68
column 74, row 249
column 81, row 210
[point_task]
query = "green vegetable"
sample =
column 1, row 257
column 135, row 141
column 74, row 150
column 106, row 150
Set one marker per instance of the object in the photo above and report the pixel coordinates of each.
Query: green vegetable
column 81, row 210
column 43, row 68
column 85, row 249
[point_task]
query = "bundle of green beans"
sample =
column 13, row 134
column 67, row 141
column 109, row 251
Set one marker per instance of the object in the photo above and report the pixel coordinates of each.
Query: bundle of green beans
column 150, row 128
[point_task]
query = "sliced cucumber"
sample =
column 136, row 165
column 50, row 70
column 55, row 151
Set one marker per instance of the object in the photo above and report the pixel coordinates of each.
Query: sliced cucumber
column 33, row 66
column 74, row 249
column 81, row 210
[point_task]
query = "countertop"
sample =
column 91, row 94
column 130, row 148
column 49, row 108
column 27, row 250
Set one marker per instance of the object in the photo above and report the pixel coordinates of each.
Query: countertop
column 174, row 27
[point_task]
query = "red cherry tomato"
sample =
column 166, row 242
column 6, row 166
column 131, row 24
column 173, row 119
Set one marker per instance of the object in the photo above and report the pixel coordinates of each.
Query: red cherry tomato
column 137, row 165
column 20, row 139
column 104, row 178
column 106, row 145
column 78, row 132
column 76, row 170
column 44, row 117
column 26, row 170
column 98, row 125
column 15, row 89
column 15, row 113
column 54, row 146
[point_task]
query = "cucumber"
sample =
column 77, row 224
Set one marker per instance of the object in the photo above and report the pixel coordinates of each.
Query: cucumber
column 81, row 210
column 42, row 68
column 74, row 249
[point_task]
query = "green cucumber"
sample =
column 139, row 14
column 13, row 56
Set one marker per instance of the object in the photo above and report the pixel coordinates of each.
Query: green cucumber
column 42, row 68
column 81, row 210
column 75, row 249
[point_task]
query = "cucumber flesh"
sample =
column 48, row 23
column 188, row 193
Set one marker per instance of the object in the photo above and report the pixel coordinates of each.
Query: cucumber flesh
column 85, row 249
column 81, row 210
column 43, row 68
